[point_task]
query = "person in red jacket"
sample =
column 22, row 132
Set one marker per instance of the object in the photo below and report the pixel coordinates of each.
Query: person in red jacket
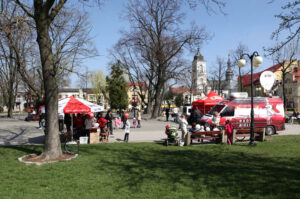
column 229, row 131
column 78, row 123
column 102, row 122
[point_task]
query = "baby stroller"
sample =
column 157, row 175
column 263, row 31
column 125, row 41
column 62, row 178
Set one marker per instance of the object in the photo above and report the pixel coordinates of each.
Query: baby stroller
column 172, row 136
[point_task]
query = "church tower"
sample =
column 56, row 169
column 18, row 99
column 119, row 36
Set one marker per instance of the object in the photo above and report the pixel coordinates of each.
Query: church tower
column 199, row 80
column 229, row 76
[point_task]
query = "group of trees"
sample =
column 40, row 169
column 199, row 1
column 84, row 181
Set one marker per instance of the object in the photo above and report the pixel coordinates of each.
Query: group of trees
column 152, row 50
column 41, row 41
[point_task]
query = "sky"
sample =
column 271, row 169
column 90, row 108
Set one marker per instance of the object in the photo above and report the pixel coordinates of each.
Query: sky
column 250, row 22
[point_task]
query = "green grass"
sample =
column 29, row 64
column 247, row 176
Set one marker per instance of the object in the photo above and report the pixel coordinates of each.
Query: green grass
column 150, row 170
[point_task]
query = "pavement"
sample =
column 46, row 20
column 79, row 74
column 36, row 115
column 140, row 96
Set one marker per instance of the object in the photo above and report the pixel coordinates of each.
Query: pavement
column 19, row 132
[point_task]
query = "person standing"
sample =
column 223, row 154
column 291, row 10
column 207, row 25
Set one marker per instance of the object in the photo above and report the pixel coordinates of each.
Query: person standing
column 109, row 118
column 197, row 115
column 183, row 126
column 167, row 113
column 68, row 122
column 78, row 122
column 89, row 123
column 61, row 122
column 215, row 120
column 175, row 112
column 123, row 118
column 139, row 118
column 127, row 131
column 229, row 131
column 102, row 123
column 42, row 117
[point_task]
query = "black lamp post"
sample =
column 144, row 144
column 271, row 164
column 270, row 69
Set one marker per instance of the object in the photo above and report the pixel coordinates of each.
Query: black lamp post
column 255, row 60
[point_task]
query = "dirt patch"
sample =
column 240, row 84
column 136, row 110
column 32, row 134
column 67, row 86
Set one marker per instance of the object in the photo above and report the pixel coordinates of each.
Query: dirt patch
column 39, row 160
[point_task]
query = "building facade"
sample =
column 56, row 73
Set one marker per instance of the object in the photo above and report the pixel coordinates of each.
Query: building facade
column 292, row 83
column 136, row 91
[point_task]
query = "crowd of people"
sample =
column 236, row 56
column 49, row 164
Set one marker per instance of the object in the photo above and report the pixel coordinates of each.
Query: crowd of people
column 83, row 123
column 196, row 127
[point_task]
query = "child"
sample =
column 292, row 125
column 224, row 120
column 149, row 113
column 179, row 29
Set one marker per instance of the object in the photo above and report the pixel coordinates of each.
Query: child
column 116, row 123
column 134, row 122
column 127, row 131
column 119, row 122
column 183, row 125
column 102, row 122
column 229, row 131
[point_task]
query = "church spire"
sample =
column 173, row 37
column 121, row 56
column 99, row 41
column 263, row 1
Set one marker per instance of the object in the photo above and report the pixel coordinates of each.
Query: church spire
column 229, row 63
column 198, row 55
column 229, row 72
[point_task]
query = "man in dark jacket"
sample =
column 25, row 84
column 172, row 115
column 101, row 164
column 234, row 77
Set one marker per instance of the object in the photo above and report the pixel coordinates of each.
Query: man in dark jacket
column 109, row 119
column 197, row 115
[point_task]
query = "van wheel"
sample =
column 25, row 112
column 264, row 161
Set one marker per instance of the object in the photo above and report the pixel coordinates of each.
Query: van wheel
column 270, row 130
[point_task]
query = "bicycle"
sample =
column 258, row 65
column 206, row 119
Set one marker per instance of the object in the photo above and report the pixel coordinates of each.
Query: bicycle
column 70, row 145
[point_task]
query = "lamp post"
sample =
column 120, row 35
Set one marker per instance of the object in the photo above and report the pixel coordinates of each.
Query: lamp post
column 255, row 60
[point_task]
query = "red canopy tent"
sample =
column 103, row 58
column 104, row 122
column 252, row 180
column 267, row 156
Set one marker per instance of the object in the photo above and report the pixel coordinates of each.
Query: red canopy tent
column 205, row 104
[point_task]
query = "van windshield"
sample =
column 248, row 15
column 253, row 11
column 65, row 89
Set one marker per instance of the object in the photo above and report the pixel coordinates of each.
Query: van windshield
column 217, row 108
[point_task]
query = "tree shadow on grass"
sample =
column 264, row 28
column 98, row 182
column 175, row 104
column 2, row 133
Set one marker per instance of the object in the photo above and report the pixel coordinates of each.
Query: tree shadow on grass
column 237, row 174
column 26, row 149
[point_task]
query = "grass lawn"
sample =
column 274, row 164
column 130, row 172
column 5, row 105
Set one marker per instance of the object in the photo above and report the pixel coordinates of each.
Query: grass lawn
column 150, row 170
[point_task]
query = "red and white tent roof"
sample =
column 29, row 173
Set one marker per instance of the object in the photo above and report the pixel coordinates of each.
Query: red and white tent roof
column 77, row 105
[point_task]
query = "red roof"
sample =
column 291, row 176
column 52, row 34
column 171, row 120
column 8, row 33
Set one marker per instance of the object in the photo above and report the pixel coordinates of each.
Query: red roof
column 179, row 90
column 246, row 79
column 138, row 85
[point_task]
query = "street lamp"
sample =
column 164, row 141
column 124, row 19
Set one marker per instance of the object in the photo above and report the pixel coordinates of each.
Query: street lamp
column 255, row 60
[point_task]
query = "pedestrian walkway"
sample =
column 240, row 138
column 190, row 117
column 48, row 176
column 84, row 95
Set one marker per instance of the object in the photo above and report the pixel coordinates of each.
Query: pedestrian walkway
column 19, row 132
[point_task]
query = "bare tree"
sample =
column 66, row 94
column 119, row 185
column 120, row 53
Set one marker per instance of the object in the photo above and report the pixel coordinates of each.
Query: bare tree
column 11, row 37
column 290, row 24
column 156, row 43
column 44, row 13
column 217, row 76
column 235, row 56
column 286, row 57
column 186, row 79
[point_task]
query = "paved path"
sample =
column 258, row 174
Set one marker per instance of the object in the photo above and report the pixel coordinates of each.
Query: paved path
column 18, row 132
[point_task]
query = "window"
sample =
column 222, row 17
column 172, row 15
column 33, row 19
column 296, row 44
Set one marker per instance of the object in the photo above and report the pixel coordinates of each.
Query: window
column 216, row 108
column 228, row 112
column 296, row 69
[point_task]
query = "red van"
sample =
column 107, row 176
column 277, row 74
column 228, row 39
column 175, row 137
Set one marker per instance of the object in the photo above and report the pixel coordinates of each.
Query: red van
column 268, row 113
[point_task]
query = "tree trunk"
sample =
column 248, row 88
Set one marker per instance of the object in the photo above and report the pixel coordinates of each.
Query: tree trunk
column 11, row 102
column 157, row 100
column 52, row 147
column 11, row 82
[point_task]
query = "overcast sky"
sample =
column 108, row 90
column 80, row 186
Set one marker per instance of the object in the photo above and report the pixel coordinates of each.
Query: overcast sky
column 248, row 21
